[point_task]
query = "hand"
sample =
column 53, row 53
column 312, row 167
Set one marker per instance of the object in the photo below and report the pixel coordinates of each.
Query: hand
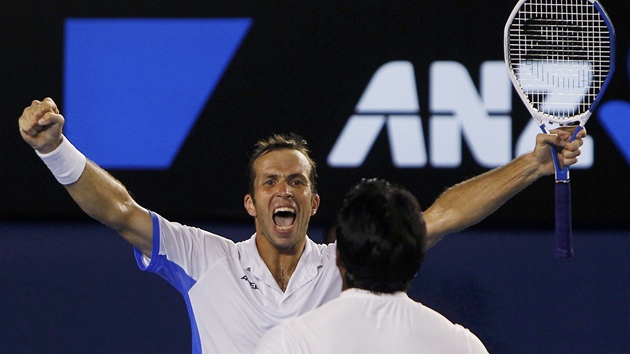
column 41, row 125
column 568, row 152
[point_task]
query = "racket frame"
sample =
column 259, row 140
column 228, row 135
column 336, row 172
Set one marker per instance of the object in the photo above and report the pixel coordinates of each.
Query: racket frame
column 563, row 217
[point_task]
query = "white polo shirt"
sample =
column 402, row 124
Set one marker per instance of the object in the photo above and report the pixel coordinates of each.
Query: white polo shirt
column 362, row 322
column 231, row 296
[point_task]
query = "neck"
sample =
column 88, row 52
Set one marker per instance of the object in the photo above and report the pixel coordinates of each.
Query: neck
column 282, row 272
column 281, row 263
column 282, row 268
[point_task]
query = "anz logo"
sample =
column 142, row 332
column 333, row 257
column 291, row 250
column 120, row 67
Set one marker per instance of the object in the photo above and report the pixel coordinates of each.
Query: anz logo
column 137, row 87
column 459, row 114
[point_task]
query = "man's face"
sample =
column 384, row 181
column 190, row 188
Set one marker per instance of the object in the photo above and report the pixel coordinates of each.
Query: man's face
column 283, row 201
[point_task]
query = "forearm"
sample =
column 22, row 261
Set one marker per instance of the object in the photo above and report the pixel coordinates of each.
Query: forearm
column 105, row 199
column 98, row 193
column 469, row 202
column 101, row 196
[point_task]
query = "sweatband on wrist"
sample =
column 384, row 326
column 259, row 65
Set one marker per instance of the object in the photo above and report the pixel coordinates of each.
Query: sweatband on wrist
column 65, row 162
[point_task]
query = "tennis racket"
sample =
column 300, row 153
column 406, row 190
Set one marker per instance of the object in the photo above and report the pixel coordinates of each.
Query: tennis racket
column 560, row 58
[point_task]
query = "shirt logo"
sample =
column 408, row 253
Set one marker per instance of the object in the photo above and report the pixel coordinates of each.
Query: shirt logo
column 251, row 283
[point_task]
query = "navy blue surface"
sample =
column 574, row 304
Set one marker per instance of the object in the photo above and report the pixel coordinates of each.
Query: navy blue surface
column 75, row 288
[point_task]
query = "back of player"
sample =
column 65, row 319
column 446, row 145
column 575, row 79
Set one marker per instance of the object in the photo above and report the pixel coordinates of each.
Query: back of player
column 363, row 322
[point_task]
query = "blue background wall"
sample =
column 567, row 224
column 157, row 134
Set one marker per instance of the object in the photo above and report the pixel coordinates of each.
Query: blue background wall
column 75, row 288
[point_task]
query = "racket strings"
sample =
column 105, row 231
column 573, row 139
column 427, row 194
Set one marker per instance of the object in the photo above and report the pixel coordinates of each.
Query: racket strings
column 560, row 52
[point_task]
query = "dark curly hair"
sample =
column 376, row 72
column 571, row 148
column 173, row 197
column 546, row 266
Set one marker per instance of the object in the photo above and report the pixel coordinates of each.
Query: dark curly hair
column 380, row 237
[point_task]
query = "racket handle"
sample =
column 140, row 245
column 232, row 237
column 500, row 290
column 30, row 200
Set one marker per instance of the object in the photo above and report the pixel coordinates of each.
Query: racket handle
column 563, row 220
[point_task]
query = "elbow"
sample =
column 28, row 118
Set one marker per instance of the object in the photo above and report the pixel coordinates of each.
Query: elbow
column 441, row 222
column 435, row 220
column 117, row 216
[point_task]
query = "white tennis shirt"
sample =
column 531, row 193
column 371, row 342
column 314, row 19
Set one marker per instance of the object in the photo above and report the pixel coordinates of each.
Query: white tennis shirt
column 231, row 296
column 362, row 322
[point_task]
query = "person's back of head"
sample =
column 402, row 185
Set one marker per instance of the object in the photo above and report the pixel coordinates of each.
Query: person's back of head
column 380, row 237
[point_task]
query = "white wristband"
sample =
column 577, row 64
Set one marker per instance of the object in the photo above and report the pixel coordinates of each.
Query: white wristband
column 65, row 162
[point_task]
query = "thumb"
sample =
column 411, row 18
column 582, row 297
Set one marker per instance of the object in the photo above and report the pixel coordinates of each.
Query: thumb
column 542, row 140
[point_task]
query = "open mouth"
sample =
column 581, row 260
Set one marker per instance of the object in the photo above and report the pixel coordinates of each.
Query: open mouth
column 284, row 217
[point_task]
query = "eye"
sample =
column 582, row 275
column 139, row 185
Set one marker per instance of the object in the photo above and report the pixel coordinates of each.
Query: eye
column 297, row 182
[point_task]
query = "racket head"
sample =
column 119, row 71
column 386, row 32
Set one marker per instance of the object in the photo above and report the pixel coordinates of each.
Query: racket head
column 560, row 57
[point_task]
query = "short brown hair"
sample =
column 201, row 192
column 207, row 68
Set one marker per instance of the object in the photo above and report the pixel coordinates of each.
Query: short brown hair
column 277, row 142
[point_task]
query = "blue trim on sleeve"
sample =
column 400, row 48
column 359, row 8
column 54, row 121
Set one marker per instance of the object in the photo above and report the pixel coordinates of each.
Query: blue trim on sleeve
column 161, row 265
column 155, row 249
column 196, row 340
column 174, row 274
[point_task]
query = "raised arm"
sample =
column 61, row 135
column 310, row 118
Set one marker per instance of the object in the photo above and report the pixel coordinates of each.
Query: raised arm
column 469, row 202
column 98, row 193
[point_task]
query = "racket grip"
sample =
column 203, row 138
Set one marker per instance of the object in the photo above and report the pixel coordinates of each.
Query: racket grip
column 563, row 220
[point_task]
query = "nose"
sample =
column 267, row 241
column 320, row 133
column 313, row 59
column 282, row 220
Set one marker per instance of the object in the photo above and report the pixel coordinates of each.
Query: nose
column 284, row 190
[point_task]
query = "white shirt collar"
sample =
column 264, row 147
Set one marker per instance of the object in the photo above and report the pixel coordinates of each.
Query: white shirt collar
column 356, row 293
column 310, row 261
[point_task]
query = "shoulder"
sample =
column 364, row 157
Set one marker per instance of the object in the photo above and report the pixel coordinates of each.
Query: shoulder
column 473, row 343
column 189, row 245
column 452, row 335
column 171, row 229
column 324, row 250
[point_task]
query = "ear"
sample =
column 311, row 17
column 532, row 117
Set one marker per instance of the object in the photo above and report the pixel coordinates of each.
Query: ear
column 314, row 204
column 339, row 261
column 248, row 202
column 342, row 271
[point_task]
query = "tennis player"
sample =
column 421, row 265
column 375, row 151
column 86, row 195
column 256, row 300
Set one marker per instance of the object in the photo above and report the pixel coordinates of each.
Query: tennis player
column 235, row 292
column 380, row 247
